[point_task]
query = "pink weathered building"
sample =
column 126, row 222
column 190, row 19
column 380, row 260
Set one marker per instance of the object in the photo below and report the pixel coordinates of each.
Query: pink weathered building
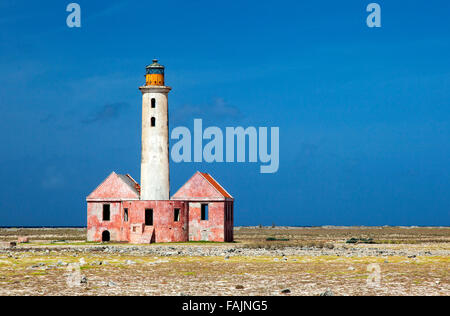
column 121, row 210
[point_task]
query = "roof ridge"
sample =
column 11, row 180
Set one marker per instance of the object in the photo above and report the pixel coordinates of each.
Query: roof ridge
column 219, row 188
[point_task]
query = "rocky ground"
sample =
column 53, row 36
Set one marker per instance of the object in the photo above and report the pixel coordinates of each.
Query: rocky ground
column 309, row 262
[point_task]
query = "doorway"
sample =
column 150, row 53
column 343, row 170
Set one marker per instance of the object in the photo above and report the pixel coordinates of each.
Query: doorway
column 106, row 236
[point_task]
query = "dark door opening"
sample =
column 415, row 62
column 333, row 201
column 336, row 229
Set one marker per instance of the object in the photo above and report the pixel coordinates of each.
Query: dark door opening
column 106, row 236
column 149, row 217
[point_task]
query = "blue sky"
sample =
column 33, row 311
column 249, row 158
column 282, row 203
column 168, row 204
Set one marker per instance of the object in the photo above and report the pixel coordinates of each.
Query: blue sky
column 364, row 114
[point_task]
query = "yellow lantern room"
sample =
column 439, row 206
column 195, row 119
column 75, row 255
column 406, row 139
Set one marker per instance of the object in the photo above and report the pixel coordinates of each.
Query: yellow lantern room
column 155, row 74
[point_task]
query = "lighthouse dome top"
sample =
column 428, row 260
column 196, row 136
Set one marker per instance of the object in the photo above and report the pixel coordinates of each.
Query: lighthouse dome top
column 155, row 65
column 154, row 74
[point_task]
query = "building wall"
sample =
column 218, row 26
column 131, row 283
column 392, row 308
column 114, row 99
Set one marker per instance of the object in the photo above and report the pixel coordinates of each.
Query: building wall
column 190, row 227
column 96, row 225
column 164, row 228
column 211, row 230
column 229, row 221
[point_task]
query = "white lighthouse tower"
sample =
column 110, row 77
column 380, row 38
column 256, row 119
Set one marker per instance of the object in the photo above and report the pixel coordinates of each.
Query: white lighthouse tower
column 155, row 183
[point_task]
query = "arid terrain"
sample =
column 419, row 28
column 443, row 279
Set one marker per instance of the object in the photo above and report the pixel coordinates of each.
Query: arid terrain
column 337, row 261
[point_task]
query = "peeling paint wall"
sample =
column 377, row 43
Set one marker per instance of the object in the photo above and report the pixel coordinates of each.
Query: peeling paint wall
column 164, row 228
column 190, row 227
column 211, row 229
column 96, row 225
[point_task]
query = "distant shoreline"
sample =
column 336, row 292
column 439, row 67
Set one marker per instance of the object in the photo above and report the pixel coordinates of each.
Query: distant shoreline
column 255, row 227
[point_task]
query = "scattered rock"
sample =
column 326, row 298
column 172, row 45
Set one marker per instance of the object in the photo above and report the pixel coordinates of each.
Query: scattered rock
column 239, row 287
column 96, row 263
column 329, row 246
column 38, row 265
column 111, row 284
column 327, row 293
column 83, row 280
column 351, row 269
column 129, row 262
column 285, row 291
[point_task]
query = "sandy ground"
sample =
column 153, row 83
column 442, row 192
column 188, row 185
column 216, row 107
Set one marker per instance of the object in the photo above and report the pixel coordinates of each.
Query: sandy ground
column 77, row 269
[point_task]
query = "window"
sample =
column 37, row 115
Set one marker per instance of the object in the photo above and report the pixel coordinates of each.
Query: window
column 153, row 122
column 125, row 215
column 149, row 217
column 204, row 212
column 176, row 215
column 153, row 103
column 106, row 212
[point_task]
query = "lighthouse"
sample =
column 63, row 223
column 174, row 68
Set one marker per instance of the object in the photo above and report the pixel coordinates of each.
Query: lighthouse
column 122, row 210
column 155, row 181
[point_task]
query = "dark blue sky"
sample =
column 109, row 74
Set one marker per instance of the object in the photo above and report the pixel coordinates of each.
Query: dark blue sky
column 364, row 114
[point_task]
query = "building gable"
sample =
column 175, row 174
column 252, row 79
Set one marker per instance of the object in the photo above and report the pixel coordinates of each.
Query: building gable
column 202, row 186
column 116, row 187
